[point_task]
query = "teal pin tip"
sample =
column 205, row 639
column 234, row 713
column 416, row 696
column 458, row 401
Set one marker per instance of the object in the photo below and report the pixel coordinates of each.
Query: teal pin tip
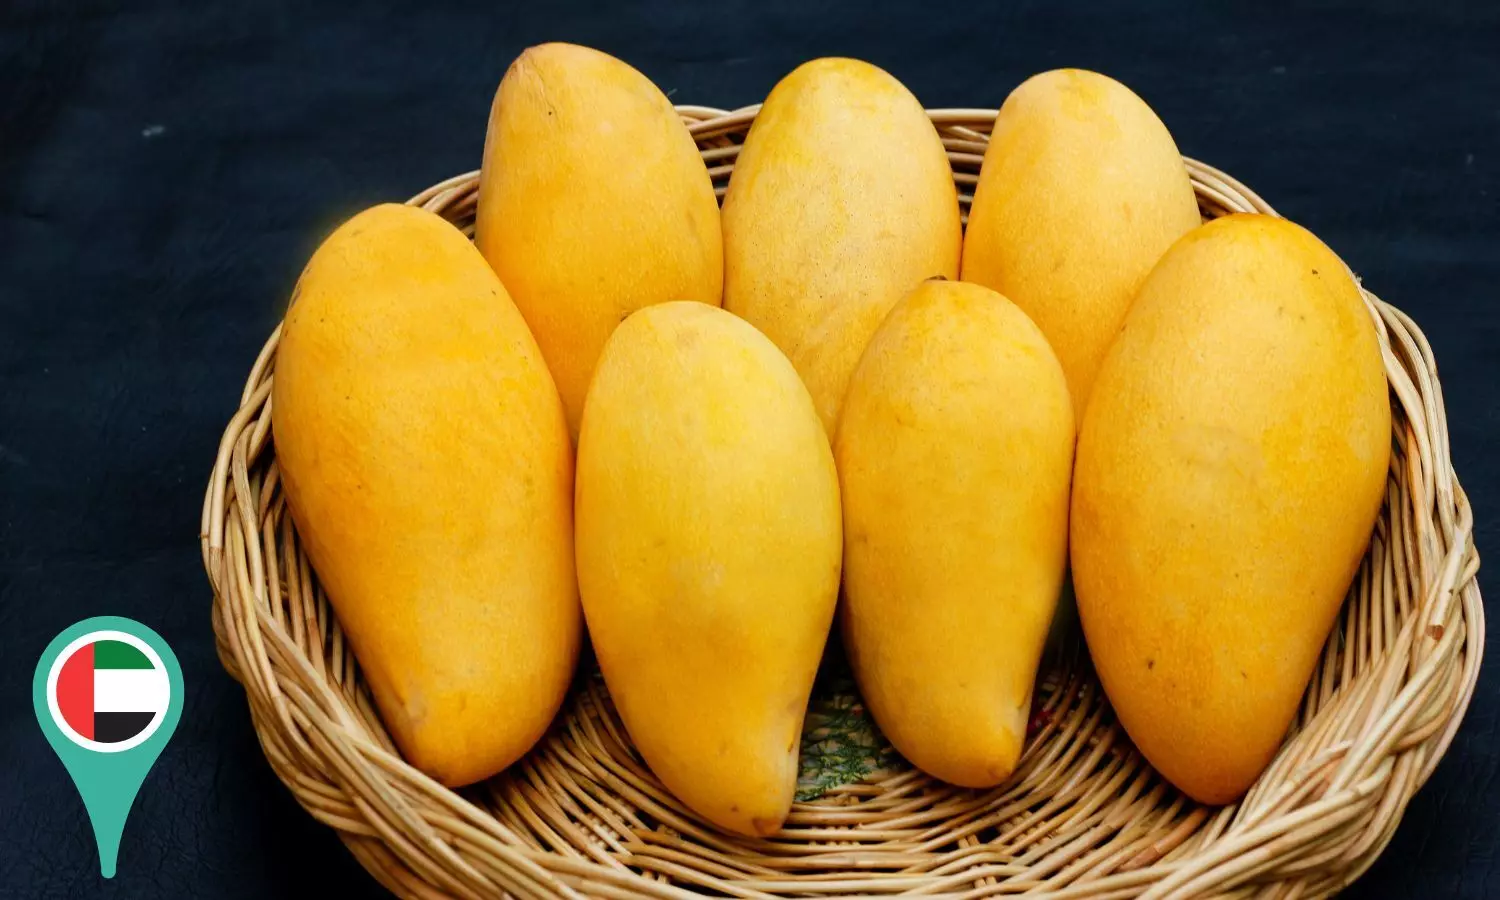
column 108, row 695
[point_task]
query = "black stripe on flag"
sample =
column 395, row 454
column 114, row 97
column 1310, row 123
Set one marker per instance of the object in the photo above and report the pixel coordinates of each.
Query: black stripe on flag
column 114, row 727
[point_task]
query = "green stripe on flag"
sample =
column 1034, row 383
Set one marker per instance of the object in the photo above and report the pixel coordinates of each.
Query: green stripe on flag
column 119, row 655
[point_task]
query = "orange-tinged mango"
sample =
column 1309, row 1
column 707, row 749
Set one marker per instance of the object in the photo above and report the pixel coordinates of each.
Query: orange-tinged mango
column 1229, row 471
column 708, row 554
column 954, row 452
column 593, row 202
column 842, row 200
column 1081, row 191
column 426, row 463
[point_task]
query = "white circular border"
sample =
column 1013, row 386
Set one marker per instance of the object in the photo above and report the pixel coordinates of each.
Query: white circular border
column 56, row 670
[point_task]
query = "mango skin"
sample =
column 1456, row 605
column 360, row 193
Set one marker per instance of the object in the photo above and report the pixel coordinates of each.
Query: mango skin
column 1230, row 469
column 954, row 452
column 593, row 202
column 1081, row 191
column 427, row 466
column 708, row 535
column 842, row 200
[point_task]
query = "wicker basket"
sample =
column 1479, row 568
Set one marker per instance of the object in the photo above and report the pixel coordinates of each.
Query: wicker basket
column 1085, row 816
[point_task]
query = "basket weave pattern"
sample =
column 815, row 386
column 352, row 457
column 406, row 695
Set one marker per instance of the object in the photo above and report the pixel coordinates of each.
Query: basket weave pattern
column 1084, row 816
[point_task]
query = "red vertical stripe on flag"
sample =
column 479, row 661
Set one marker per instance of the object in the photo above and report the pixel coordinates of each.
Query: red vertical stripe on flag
column 75, row 691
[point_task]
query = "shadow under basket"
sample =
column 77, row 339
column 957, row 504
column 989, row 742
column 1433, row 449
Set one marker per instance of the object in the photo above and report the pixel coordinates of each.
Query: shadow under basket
column 1084, row 816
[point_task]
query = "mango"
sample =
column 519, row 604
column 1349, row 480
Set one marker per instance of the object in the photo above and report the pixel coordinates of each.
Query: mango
column 427, row 467
column 842, row 200
column 954, row 453
column 709, row 542
column 593, row 202
column 1230, row 469
column 1081, row 191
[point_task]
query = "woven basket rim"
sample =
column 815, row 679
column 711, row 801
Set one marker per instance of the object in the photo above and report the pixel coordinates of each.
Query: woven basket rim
column 1084, row 816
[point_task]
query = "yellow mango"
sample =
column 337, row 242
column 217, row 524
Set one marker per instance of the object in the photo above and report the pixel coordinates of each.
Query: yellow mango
column 954, row 453
column 1230, row 468
column 842, row 200
column 708, row 554
column 1081, row 191
column 593, row 202
column 427, row 466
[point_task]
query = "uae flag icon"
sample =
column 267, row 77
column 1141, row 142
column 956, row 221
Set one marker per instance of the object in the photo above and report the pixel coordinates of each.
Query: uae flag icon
column 109, row 692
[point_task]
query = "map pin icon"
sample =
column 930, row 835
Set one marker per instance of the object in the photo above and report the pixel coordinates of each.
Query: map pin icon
column 108, row 694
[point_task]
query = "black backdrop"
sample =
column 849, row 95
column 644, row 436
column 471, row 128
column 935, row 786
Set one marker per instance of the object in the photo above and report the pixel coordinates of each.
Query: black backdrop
column 166, row 168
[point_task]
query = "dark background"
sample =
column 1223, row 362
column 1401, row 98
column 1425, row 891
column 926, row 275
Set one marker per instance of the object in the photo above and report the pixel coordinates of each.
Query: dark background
column 165, row 169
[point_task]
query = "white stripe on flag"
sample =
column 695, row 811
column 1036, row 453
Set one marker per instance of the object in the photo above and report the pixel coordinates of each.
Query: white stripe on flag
column 130, row 690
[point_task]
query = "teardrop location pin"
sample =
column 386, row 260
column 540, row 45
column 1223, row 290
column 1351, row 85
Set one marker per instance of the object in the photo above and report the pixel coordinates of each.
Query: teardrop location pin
column 108, row 695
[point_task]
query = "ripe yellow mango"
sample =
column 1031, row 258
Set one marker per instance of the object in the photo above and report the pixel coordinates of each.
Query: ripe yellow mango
column 842, row 200
column 593, row 202
column 1230, row 468
column 708, row 554
column 1081, row 191
column 427, row 466
column 954, row 453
